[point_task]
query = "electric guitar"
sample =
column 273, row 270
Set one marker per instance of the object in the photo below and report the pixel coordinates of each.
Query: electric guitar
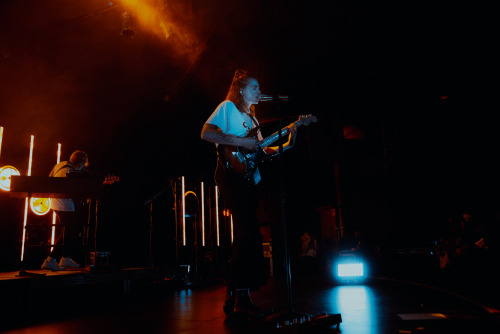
column 243, row 162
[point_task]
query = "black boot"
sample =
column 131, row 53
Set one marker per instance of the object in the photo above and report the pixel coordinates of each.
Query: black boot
column 229, row 303
column 245, row 305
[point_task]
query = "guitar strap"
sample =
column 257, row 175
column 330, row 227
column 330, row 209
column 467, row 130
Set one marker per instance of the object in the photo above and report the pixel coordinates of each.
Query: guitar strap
column 257, row 125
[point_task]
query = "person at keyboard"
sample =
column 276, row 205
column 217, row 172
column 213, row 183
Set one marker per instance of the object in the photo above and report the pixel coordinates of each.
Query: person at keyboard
column 67, row 218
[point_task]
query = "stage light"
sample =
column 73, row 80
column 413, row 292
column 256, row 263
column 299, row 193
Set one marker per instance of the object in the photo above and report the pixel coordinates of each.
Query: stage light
column 191, row 203
column 166, row 31
column 232, row 231
column 350, row 268
column 5, row 173
column 40, row 206
column 54, row 220
column 1, row 138
column 30, row 161
column 128, row 29
column 26, row 204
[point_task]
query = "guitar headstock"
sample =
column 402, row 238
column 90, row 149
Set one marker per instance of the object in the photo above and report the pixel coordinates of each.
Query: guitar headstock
column 110, row 179
column 308, row 119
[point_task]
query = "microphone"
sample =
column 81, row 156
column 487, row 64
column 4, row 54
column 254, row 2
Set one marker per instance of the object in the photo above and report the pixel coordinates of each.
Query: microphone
column 266, row 98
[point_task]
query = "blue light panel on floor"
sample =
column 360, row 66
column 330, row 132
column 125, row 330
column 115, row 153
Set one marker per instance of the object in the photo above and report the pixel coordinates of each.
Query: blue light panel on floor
column 350, row 270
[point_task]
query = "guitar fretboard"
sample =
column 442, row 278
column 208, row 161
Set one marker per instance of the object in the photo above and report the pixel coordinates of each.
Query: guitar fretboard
column 275, row 136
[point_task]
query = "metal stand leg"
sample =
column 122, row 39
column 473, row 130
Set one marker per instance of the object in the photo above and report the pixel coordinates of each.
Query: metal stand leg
column 291, row 317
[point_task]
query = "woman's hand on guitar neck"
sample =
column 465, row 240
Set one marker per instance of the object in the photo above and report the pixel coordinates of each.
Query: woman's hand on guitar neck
column 292, row 130
column 292, row 134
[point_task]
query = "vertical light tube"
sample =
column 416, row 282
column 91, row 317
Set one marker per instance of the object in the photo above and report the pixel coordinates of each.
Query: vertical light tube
column 58, row 152
column 183, row 213
column 52, row 240
column 232, row 234
column 202, row 214
column 26, row 205
column 1, row 138
column 217, row 213
column 31, row 155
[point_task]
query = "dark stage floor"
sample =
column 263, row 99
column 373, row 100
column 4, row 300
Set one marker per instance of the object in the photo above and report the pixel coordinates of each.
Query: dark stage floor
column 137, row 301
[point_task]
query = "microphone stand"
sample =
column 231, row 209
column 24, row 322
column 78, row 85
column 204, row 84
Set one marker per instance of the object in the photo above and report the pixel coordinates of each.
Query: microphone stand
column 287, row 316
column 292, row 317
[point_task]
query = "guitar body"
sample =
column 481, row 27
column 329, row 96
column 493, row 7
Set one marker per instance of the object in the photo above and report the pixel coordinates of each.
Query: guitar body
column 241, row 162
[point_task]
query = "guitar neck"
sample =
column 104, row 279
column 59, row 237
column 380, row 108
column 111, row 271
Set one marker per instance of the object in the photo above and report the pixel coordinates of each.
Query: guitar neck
column 275, row 136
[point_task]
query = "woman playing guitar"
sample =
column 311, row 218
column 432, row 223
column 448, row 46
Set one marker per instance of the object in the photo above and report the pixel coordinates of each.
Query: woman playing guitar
column 233, row 126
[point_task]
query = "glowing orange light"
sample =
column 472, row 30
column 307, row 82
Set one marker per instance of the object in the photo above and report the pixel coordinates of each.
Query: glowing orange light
column 40, row 206
column 166, row 32
column 31, row 155
column 145, row 12
column 1, row 138
column 59, row 153
column 5, row 173
column 189, row 192
column 165, row 24
column 232, row 235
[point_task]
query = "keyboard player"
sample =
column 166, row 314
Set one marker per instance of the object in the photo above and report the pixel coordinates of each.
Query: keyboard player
column 67, row 218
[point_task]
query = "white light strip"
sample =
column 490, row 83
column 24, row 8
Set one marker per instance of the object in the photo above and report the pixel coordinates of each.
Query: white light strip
column 27, row 200
column 202, row 214
column 183, row 214
column 24, row 227
column 1, row 138
column 217, row 213
column 52, row 240
column 58, row 152
column 232, row 234
column 31, row 155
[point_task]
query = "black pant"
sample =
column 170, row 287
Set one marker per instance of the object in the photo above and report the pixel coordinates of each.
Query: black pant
column 247, row 265
column 69, row 233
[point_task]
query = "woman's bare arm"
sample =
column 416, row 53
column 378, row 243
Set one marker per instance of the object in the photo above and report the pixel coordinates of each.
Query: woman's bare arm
column 213, row 134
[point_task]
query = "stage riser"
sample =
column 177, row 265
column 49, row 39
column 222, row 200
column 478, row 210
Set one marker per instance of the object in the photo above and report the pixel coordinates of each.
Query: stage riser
column 34, row 296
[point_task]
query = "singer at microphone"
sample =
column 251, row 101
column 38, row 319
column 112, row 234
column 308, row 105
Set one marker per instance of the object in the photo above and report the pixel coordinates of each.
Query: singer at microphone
column 233, row 125
column 266, row 98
